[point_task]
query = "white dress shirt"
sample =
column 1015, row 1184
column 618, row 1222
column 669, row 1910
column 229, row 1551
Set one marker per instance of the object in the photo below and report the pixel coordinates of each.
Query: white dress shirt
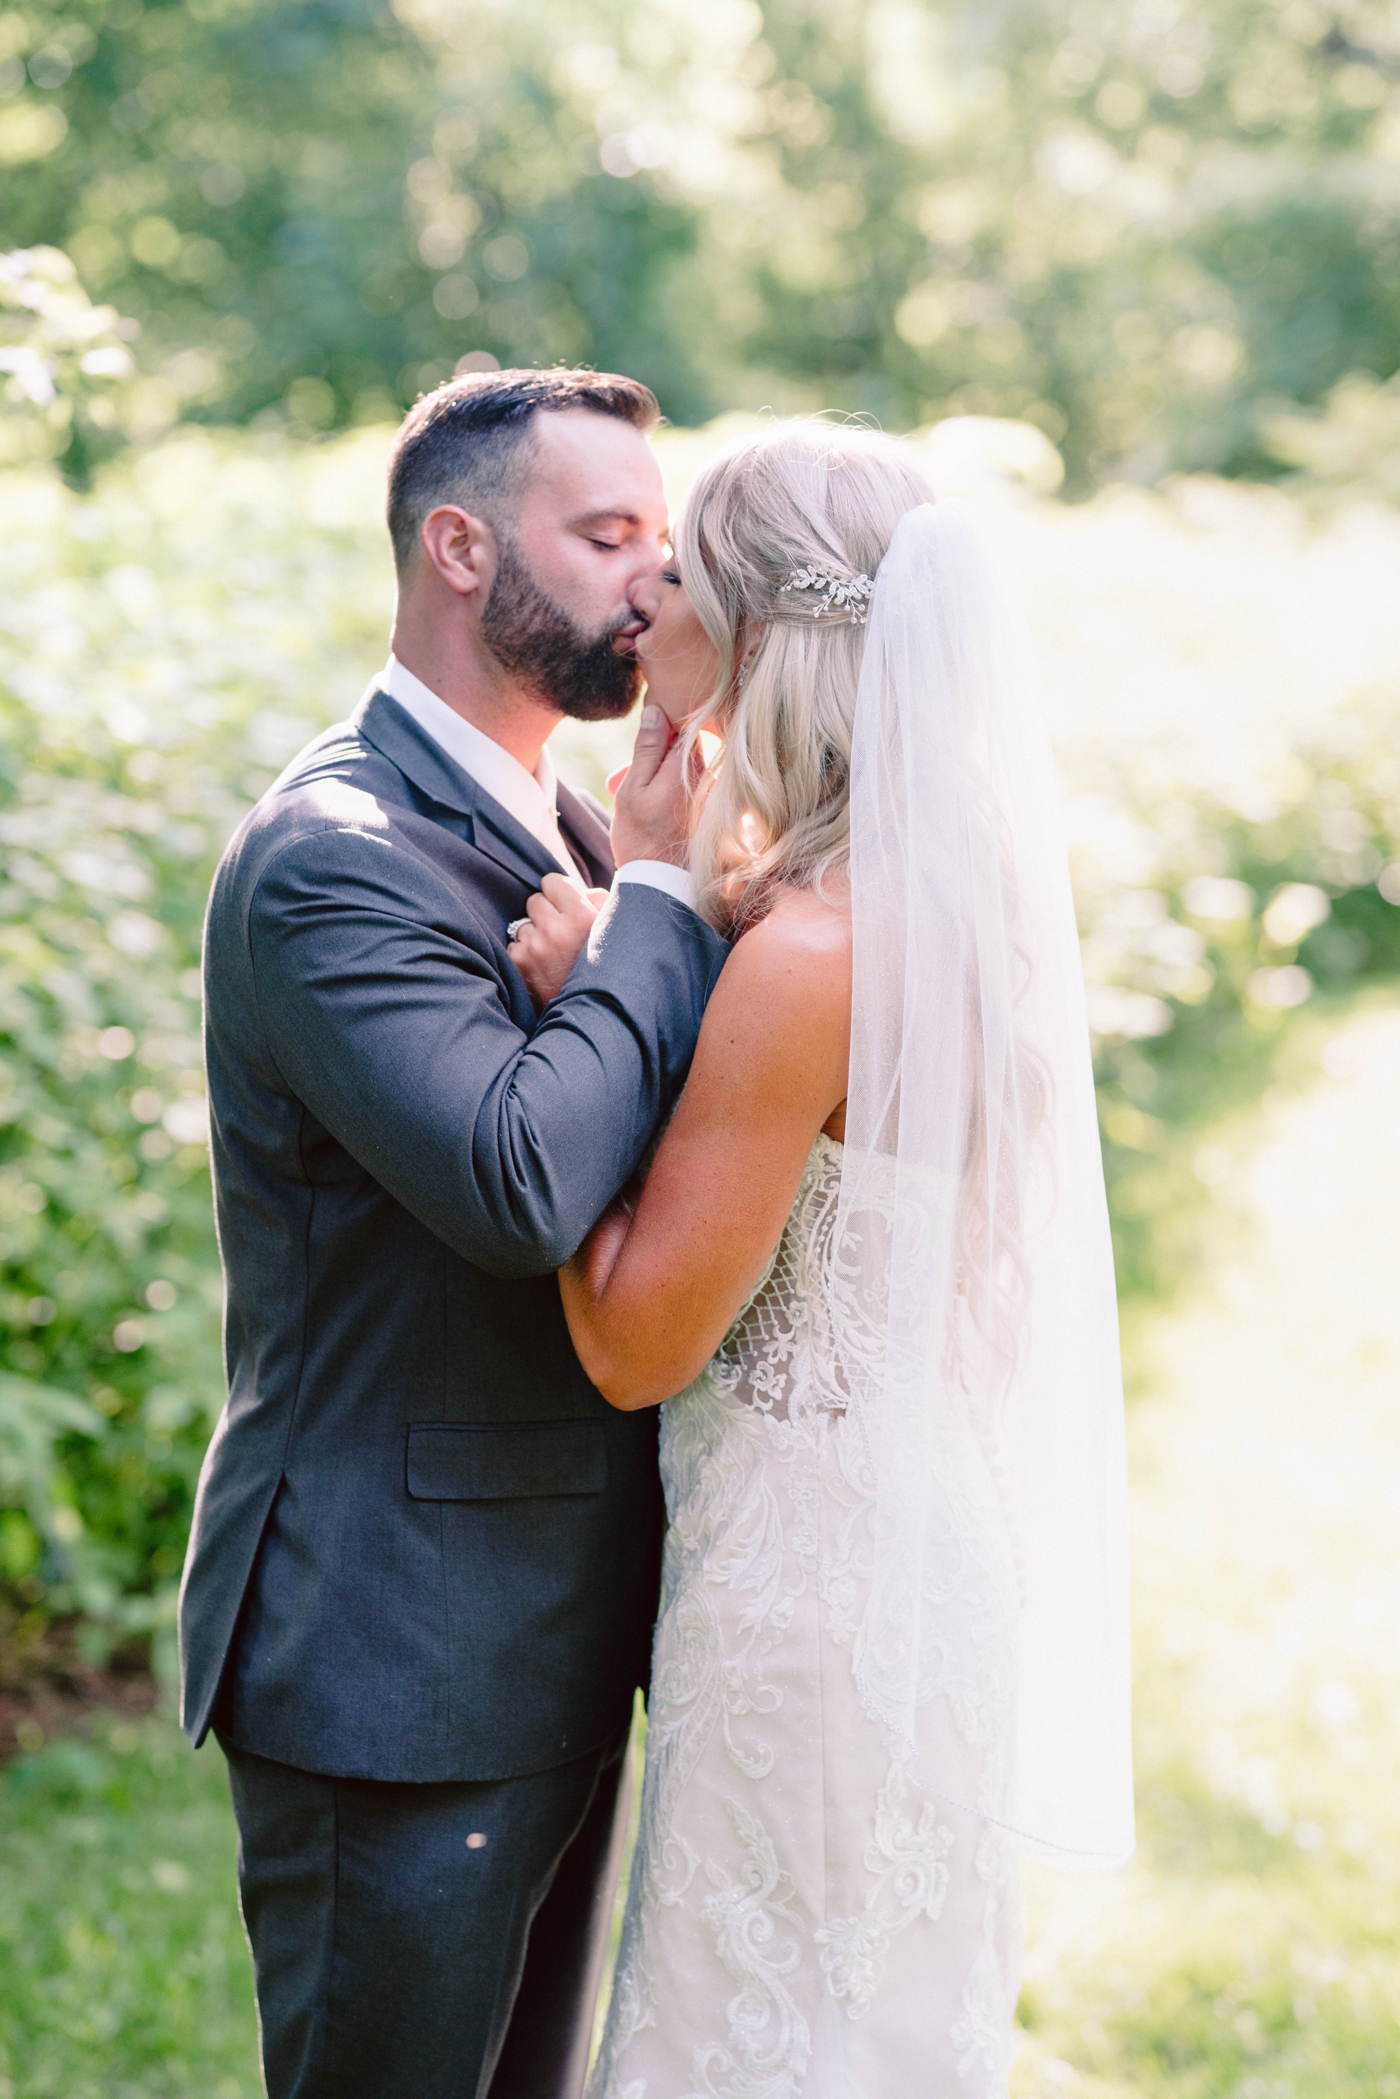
column 531, row 798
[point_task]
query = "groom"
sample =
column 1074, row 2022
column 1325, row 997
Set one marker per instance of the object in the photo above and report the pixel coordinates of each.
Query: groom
column 423, row 1571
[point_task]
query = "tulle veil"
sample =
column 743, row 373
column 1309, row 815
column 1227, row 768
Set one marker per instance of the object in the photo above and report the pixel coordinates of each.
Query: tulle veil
column 973, row 1277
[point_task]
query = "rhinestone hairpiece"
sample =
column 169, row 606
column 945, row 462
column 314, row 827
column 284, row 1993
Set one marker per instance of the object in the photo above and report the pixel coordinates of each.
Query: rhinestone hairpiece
column 834, row 593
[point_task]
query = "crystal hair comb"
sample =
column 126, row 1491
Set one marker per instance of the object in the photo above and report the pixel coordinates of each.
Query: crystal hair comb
column 833, row 593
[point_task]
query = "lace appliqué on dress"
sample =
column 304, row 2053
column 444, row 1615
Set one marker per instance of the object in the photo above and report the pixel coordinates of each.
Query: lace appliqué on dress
column 788, row 1872
column 769, row 2042
column 778, row 1355
column 908, row 1860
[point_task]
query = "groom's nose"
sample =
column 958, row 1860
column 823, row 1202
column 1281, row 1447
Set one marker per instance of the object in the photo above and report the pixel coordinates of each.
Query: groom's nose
column 642, row 584
column 642, row 597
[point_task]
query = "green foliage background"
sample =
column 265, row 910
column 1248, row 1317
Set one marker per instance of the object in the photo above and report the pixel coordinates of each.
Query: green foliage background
column 1150, row 228
column 140, row 718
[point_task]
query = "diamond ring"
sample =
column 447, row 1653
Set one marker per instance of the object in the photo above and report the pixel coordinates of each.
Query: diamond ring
column 516, row 928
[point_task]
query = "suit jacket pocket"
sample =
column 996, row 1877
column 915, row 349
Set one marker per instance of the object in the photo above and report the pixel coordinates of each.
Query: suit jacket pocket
column 466, row 1461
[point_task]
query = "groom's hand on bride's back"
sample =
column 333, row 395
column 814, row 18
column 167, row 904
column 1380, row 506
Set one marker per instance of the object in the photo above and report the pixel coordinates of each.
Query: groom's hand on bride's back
column 651, row 819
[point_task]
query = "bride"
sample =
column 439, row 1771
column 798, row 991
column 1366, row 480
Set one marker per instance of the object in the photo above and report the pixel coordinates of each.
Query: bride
column 868, row 1282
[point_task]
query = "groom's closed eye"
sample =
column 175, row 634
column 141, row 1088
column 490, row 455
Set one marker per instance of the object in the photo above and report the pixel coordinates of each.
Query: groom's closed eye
column 608, row 528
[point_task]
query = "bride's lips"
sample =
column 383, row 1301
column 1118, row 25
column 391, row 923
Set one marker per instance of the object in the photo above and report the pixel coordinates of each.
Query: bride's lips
column 625, row 639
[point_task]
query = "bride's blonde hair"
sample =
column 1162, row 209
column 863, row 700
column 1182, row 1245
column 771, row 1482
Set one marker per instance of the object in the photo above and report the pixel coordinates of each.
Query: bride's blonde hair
column 805, row 494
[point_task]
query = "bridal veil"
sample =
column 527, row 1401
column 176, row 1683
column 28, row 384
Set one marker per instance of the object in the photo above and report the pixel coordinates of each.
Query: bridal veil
column 973, row 1273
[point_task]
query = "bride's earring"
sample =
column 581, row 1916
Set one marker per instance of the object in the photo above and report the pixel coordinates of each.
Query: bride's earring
column 739, row 682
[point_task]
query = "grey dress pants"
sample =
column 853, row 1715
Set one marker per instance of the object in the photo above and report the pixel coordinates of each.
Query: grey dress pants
column 428, row 1941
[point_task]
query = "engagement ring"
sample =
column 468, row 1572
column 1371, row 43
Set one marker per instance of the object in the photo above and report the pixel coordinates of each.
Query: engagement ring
column 516, row 927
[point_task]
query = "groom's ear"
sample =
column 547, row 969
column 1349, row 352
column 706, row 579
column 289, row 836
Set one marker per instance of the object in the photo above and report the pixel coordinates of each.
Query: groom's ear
column 461, row 549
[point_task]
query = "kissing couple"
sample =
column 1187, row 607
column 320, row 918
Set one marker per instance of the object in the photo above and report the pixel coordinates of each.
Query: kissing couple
column 666, row 1253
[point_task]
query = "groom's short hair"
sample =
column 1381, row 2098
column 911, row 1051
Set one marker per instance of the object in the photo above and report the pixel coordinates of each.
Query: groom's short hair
column 470, row 441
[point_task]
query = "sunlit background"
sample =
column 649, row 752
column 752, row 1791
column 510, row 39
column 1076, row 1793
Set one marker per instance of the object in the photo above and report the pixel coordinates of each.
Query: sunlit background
column 1129, row 276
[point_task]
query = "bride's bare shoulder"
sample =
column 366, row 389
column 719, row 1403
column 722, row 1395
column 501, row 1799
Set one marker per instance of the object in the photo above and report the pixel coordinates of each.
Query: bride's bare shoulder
column 802, row 943
column 779, row 1023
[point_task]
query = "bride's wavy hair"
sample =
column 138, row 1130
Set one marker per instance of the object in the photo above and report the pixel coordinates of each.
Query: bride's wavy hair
column 775, row 802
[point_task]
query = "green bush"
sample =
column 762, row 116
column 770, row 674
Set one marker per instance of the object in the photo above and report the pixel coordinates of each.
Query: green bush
column 169, row 643
column 1145, row 228
column 65, row 362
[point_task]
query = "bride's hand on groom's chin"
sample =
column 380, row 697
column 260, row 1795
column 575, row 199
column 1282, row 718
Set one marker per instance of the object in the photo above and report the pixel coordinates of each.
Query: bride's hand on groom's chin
column 544, row 951
column 652, row 818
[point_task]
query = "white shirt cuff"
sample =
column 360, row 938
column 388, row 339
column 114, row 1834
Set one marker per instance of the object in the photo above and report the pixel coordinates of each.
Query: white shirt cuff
column 659, row 874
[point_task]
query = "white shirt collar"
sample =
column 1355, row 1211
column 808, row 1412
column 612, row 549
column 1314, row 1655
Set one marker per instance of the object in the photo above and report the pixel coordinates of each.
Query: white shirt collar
column 531, row 798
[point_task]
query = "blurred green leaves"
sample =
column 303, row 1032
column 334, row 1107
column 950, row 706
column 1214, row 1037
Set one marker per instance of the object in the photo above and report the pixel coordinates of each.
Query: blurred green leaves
column 166, row 646
column 1152, row 230
column 317, row 209
column 64, row 363
column 33, row 1418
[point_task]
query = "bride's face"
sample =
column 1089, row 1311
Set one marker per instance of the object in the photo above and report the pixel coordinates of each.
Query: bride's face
column 677, row 657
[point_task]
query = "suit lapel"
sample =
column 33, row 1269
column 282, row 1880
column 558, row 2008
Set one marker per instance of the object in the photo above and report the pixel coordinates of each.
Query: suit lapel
column 586, row 836
column 496, row 833
column 424, row 763
column 397, row 737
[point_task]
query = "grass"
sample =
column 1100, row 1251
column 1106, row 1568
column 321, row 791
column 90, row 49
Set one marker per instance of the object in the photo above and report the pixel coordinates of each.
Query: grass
column 123, row 1968
column 1253, row 1949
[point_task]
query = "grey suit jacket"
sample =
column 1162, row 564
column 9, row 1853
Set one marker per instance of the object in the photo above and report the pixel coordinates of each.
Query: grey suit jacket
column 424, row 1546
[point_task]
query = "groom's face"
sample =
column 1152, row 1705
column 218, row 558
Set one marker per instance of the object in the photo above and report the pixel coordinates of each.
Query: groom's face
column 590, row 526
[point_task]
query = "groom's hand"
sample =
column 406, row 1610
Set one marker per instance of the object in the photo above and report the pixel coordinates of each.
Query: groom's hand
column 651, row 820
column 559, row 918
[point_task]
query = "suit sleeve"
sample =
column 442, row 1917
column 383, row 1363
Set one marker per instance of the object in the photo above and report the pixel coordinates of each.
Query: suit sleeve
column 386, row 1019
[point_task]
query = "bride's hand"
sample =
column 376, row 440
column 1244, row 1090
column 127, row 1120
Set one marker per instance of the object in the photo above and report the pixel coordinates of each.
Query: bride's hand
column 651, row 819
column 546, row 949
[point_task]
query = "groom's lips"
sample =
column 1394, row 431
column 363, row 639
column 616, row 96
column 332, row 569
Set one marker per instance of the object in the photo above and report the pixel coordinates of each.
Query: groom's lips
column 624, row 641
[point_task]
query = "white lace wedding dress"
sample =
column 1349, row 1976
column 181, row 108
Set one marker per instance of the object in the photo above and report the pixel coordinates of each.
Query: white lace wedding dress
column 801, row 1919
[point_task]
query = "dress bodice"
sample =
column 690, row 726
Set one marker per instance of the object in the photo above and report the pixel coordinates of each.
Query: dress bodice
column 779, row 1354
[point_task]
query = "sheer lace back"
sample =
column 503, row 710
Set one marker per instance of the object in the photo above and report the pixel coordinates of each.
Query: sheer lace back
column 779, row 1355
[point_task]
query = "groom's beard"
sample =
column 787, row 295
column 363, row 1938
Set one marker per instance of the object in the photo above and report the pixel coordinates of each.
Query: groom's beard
column 533, row 637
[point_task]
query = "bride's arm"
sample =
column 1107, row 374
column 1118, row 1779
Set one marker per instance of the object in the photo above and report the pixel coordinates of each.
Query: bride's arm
column 654, row 1289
